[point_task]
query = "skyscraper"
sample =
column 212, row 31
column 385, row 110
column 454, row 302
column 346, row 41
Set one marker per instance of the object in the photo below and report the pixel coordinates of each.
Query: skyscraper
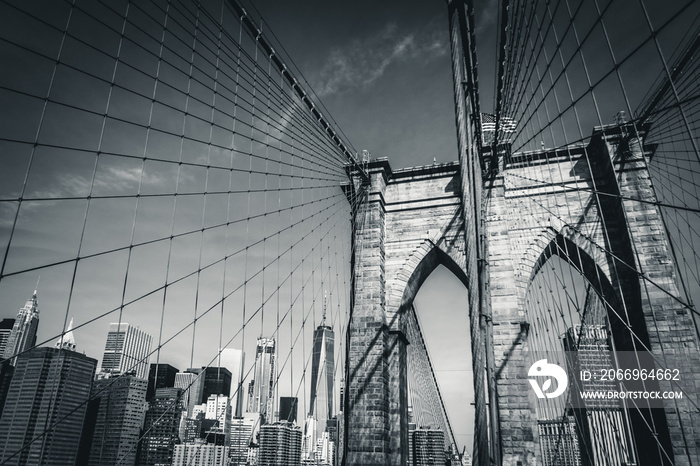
column 280, row 445
column 6, row 326
column 203, row 383
column 160, row 376
column 22, row 337
column 428, row 447
column 322, row 372
column 6, row 369
column 217, row 381
column 241, row 437
column 233, row 360
column 288, row 408
column 120, row 415
column 260, row 392
column 219, row 410
column 126, row 350
column 49, row 385
column 192, row 386
column 558, row 442
column 67, row 340
column 161, row 428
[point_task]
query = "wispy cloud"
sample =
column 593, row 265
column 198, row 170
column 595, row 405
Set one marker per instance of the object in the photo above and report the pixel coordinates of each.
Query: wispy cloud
column 113, row 180
column 362, row 62
column 7, row 214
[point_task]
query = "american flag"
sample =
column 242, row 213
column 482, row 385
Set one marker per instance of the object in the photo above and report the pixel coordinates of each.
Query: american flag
column 488, row 123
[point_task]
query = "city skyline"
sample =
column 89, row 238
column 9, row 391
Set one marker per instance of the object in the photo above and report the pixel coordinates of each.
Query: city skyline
column 442, row 280
column 125, row 343
column 84, row 340
column 108, row 386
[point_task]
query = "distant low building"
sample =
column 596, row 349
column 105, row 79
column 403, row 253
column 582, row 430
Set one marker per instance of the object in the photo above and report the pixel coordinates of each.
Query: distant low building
column 200, row 454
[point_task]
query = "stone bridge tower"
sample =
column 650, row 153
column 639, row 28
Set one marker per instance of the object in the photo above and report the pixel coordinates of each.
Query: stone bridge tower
column 411, row 221
column 415, row 219
column 581, row 203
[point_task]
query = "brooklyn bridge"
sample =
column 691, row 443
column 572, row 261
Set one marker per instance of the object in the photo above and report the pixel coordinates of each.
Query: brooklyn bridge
column 198, row 267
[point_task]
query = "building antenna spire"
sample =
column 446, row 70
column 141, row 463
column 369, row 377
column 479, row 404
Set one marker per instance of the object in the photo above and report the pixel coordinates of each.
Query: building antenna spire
column 325, row 295
column 37, row 284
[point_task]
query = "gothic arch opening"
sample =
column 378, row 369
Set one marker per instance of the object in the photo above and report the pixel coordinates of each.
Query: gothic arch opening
column 573, row 266
column 571, row 305
column 425, row 267
column 441, row 307
column 434, row 309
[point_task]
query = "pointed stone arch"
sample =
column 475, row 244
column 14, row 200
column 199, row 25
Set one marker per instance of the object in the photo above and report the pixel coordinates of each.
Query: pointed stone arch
column 589, row 267
column 570, row 246
column 429, row 261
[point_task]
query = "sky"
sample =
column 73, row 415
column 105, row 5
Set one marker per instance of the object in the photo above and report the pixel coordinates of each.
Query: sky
column 382, row 69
